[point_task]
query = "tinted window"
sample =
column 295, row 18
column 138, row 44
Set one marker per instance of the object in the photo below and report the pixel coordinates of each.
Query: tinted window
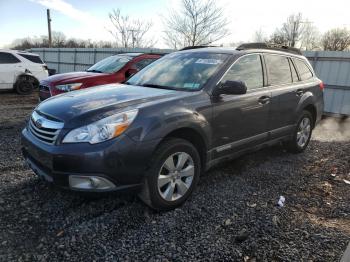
column 247, row 69
column 278, row 70
column 304, row 71
column 32, row 58
column 294, row 72
column 144, row 62
column 6, row 58
column 182, row 71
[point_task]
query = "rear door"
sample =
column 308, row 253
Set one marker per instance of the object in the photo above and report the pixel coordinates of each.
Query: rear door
column 284, row 85
column 240, row 121
column 9, row 68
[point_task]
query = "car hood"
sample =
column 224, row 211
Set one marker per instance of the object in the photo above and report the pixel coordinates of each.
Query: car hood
column 73, row 77
column 85, row 106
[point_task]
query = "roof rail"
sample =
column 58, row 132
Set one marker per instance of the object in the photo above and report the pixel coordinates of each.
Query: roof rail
column 196, row 47
column 269, row 47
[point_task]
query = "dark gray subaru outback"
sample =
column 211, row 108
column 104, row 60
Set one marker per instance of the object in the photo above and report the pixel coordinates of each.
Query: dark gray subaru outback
column 173, row 120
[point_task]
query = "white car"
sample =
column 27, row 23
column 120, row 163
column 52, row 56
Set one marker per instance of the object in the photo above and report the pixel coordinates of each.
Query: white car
column 21, row 71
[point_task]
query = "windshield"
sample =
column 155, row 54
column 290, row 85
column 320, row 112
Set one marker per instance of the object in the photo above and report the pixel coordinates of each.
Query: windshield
column 110, row 64
column 183, row 71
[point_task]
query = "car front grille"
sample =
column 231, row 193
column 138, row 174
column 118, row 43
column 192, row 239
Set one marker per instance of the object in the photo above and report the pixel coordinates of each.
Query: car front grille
column 46, row 130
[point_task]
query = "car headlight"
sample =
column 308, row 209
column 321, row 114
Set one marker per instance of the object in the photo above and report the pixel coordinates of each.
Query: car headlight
column 102, row 130
column 69, row 87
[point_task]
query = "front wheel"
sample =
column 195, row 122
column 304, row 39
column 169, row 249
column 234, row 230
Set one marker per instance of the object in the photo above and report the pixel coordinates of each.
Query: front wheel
column 173, row 175
column 301, row 134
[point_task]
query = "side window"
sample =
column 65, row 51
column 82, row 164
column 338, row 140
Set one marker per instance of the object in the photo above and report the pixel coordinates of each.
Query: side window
column 304, row 71
column 144, row 62
column 6, row 58
column 294, row 72
column 32, row 58
column 278, row 70
column 247, row 69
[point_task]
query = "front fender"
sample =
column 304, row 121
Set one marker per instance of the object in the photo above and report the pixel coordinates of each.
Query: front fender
column 159, row 124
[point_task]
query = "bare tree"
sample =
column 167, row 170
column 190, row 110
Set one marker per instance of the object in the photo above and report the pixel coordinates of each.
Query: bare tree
column 58, row 39
column 337, row 39
column 130, row 32
column 290, row 33
column 197, row 23
column 260, row 36
column 293, row 29
column 310, row 39
column 278, row 38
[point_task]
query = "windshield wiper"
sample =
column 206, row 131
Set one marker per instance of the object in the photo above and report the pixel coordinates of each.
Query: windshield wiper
column 157, row 86
column 95, row 71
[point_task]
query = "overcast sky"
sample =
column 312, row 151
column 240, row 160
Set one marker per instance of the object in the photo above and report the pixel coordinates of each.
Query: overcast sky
column 88, row 19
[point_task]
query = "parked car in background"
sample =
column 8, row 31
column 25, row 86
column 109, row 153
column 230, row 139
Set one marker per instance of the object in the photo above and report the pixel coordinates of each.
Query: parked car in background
column 113, row 69
column 21, row 71
column 173, row 120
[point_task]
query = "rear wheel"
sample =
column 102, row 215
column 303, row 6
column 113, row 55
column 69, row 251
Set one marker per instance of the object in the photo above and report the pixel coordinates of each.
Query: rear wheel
column 301, row 134
column 24, row 86
column 173, row 175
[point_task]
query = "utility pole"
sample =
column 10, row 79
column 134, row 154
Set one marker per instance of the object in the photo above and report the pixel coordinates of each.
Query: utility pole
column 49, row 26
column 133, row 36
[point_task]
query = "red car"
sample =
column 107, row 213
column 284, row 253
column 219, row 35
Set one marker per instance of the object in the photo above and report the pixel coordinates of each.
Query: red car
column 113, row 69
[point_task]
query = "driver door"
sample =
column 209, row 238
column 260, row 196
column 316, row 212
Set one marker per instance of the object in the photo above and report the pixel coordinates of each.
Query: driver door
column 241, row 121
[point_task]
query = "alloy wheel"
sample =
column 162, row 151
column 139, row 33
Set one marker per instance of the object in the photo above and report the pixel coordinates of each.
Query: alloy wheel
column 176, row 176
column 304, row 131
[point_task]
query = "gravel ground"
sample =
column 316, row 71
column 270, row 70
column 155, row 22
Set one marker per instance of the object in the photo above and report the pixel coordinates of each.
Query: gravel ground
column 232, row 215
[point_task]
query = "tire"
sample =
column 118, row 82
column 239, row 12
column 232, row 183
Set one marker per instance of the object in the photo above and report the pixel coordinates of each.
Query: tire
column 301, row 136
column 167, row 187
column 24, row 86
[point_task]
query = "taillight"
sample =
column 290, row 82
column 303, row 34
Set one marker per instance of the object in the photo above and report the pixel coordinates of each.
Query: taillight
column 321, row 86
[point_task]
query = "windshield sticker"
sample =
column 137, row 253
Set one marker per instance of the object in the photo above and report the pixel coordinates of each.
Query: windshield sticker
column 208, row 61
column 191, row 85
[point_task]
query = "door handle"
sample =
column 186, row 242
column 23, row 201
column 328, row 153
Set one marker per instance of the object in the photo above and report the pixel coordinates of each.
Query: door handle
column 264, row 100
column 299, row 92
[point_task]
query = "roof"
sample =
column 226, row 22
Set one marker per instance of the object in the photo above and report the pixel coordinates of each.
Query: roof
column 222, row 50
column 138, row 54
column 130, row 54
column 269, row 46
column 234, row 51
column 17, row 52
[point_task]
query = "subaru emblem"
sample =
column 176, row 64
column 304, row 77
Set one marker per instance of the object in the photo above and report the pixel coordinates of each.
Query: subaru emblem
column 39, row 123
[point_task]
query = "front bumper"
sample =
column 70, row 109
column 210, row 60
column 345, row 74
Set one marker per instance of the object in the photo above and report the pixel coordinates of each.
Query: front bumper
column 121, row 161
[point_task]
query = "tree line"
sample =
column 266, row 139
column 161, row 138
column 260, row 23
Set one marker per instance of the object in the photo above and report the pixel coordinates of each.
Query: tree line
column 300, row 32
column 59, row 40
column 198, row 23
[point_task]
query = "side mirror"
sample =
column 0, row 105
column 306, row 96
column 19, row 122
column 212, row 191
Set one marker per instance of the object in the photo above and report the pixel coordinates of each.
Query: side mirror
column 130, row 72
column 231, row 88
